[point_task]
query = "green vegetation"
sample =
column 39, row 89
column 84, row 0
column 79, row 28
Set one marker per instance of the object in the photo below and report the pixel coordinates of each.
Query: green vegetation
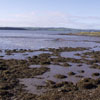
column 89, row 33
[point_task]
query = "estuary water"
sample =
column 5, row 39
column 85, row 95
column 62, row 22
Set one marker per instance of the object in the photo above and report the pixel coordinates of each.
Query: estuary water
column 24, row 39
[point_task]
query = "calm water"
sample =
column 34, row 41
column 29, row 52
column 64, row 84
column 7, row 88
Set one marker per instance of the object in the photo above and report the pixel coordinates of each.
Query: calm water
column 44, row 39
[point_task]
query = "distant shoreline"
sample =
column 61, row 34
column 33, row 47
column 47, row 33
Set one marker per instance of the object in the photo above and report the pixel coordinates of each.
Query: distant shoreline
column 11, row 28
column 48, row 29
column 83, row 34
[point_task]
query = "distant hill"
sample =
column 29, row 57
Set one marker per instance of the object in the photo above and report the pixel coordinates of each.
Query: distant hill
column 62, row 29
column 11, row 28
column 47, row 29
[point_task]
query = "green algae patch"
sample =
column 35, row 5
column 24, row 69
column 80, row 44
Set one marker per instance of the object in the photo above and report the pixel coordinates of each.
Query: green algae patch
column 89, row 33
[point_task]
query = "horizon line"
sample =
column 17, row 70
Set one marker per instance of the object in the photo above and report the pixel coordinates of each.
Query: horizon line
column 46, row 27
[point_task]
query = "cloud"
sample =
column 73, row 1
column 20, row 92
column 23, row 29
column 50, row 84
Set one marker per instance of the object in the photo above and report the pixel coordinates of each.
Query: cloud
column 51, row 19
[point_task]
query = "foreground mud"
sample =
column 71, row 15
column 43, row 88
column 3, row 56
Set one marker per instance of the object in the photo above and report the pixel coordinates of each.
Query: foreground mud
column 50, row 76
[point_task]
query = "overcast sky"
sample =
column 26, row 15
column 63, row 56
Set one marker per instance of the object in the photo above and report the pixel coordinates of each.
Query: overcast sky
column 84, row 14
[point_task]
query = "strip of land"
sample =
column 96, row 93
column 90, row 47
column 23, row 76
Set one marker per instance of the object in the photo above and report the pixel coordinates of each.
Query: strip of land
column 89, row 33
column 83, row 34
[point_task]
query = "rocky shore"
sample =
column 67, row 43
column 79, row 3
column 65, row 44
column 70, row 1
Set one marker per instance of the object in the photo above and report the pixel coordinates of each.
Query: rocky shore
column 61, row 78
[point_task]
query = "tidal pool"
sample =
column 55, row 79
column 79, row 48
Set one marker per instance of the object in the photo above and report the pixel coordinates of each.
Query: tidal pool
column 40, row 80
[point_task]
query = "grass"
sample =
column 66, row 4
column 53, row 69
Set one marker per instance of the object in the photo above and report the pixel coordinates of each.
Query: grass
column 89, row 33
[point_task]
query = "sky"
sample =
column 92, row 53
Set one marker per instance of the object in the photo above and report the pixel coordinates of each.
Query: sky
column 80, row 14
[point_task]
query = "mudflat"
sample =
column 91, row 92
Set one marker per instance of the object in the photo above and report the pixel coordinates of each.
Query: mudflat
column 66, row 67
